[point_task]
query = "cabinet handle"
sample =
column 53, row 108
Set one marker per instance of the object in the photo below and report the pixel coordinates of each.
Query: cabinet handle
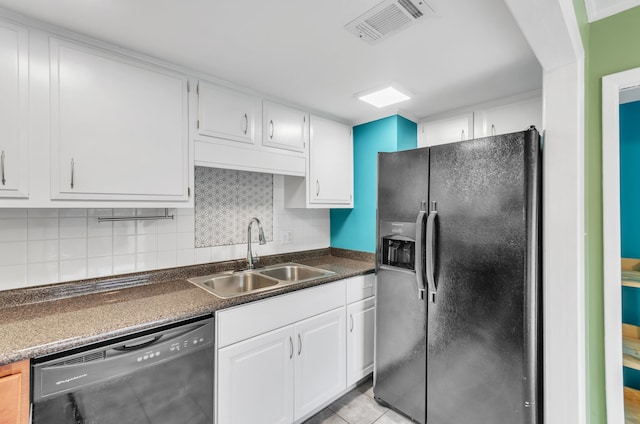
column 299, row 344
column 290, row 348
column 351, row 317
column 73, row 165
column 493, row 129
column 462, row 136
column 317, row 188
column 246, row 124
column 271, row 129
column 2, row 167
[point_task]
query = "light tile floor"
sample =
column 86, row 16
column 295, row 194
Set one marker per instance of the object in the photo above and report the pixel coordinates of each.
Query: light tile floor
column 358, row 407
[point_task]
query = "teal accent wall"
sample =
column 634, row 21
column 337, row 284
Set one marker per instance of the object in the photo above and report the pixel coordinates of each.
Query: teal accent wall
column 355, row 229
column 630, row 215
column 629, row 179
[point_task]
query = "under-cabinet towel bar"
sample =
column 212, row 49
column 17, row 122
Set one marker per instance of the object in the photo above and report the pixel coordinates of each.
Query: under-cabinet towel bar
column 136, row 218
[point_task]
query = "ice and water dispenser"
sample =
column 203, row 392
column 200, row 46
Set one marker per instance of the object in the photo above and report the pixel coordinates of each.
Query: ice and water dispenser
column 398, row 245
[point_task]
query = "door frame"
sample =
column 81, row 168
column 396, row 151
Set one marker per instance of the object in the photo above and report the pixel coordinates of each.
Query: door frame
column 611, row 86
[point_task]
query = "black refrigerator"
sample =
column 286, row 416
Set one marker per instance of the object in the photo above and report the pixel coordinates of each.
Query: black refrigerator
column 458, row 322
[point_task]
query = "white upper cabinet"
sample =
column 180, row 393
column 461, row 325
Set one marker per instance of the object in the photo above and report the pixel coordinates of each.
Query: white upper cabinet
column 446, row 130
column 119, row 127
column 330, row 162
column 504, row 116
column 513, row 117
column 14, row 73
column 329, row 181
column 226, row 114
column 228, row 126
column 284, row 127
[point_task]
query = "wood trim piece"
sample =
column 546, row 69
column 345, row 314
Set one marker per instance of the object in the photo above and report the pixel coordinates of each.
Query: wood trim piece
column 14, row 393
column 631, row 405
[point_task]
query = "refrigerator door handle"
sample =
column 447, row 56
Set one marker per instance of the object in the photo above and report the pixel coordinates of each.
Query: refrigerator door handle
column 431, row 252
column 418, row 253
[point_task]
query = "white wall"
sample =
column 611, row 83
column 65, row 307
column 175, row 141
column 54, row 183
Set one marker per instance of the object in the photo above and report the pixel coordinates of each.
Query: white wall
column 551, row 29
column 42, row 246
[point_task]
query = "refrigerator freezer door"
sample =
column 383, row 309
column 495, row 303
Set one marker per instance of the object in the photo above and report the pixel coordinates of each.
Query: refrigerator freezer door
column 403, row 184
column 480, row 327
column 400, row 344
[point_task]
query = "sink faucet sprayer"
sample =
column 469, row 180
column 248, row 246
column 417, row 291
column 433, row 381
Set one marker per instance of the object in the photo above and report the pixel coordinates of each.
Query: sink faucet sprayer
column 251, row 260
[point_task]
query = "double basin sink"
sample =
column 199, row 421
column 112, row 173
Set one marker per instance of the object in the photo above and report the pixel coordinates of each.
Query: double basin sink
column 238, row 283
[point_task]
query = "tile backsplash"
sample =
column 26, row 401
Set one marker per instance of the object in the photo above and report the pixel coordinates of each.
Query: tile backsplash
column 42, row 246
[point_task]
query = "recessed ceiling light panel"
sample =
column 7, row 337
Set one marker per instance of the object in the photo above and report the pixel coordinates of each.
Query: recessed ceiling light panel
column 385, row 97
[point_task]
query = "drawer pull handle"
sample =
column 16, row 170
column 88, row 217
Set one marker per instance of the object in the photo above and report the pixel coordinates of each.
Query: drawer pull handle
column 351, row 317
column 4, row 180
column 246, row 124
column 290, row 347
column 299, row 344
column 73, row 165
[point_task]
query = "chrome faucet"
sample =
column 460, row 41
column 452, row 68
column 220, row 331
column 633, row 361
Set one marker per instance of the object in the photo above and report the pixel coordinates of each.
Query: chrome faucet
column 251, row 260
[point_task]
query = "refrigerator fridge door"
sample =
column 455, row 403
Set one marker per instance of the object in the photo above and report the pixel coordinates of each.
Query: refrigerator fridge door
column 481, row 354
column 400, row 344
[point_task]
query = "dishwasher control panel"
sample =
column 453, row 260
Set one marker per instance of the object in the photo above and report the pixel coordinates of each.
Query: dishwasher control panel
column 120, row 358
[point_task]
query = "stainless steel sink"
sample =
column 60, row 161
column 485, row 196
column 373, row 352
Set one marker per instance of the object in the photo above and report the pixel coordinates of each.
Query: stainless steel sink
column 294, row 272
column 232, row 284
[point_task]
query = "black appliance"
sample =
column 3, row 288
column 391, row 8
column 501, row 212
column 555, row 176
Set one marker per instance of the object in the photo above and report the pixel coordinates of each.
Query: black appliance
column 458, row 327
column 160, row 376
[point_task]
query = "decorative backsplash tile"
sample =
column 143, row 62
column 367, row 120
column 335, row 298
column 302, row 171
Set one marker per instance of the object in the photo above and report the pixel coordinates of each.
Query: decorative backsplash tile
column 43, row 246
column 225, row 202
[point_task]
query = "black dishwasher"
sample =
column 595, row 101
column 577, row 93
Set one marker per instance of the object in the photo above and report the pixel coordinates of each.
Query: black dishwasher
column 160, row 376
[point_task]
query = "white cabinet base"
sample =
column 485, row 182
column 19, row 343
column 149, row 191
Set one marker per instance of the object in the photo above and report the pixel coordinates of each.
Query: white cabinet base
column 320, row 361
column 360, row 334
column 255, row 380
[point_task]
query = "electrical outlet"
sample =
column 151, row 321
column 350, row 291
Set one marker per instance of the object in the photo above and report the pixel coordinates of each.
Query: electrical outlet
column 287, row 237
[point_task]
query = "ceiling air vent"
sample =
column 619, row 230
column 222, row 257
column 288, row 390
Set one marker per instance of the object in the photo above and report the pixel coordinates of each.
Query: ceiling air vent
column 386, row 18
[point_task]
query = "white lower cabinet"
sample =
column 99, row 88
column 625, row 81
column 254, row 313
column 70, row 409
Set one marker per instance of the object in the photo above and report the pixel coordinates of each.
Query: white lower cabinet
column 361, row 320
column 255, row 379
column 281, row 358
column 285, row 373
column 320, row 361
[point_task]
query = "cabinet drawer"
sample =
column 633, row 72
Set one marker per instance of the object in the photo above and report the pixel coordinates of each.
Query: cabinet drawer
column 360, row 287
column 245, row 321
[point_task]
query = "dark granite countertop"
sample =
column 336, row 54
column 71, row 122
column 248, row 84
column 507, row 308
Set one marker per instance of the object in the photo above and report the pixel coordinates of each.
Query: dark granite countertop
column 37, row 321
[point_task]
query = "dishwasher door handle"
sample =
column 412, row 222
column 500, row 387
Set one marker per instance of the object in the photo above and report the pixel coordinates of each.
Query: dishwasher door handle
column 139, row 345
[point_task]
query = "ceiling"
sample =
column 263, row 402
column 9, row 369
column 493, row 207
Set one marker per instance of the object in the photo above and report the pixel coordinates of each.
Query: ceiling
column 299, row 52
column 599, row 9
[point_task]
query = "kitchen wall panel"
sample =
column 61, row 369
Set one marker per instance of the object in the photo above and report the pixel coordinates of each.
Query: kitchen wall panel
column 46, row 246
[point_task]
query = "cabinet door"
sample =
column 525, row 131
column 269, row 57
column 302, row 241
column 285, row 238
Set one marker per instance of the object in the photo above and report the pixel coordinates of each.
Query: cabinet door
column 255, row 380
column 118, row 127
column 330, row 177
column 320, row 367
column 13, row 111
column 360, row 321
column 284, row 127
column 225, row 113
column 513, row 117
column 14, row 393
column 447, row 130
